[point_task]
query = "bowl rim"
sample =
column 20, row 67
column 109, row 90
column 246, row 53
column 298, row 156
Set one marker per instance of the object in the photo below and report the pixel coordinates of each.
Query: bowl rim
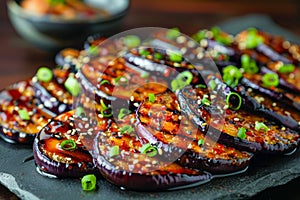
column 16, row 9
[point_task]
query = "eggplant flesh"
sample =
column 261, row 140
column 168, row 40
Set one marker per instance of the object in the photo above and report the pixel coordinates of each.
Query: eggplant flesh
column 162, row 123
column 133, row 170
column 50, row 156
column 276, row 139
column 14, row 127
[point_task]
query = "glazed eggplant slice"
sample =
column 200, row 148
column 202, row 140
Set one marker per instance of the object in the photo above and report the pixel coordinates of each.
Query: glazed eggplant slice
column 21, row 115
column 51, row 88
column 125, row 162
column 68, row 59
column 160, row 121
column 61, row 149
column 240, row 125
column 114, row 79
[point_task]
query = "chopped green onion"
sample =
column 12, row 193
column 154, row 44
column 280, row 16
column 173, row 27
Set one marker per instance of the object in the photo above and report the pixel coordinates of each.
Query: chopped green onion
column 88, row 182
column 106, row 113
column 103, row 105
column 24, row 114
column 242, row 133
column 149, row 150
column 175, row 57
column 183, row 79
column 145, row 75
column 248, row 64
column 126, row 129
column 212, row 84
column 201, row 86
column 114, row 151
column 287, row 68
column 132, row 41
column 158, row 56
column 205, row 102
column 231, row 75
column 104, row 82
column 44, row 74
column 215, row 30
column 151, row 97
column 72, row 86
column 80, row 111
column 68, row 145
column 229, row 102
column 200, row 142
column 123, row 112
column 261, row 126
column 173, row 33
column 270, row 80
column 200, row 35
column 120, row 80
column 93, row 50
column 144, row 52
column 253, row 39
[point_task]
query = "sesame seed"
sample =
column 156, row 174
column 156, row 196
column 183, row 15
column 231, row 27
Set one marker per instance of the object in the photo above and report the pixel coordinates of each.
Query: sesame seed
column 136, row 104
column 236, row 119
column 191, row 44
column 203, row 43
column 283, row 128
column 132, row 98
column 53, row 99
column 160, row 152
column 274, row 104
column 181, row 39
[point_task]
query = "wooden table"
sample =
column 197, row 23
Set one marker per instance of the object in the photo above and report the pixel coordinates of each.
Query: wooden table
column 19, row 59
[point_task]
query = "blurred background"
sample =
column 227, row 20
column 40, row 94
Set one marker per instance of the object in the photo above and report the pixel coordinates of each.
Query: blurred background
column 19, row 59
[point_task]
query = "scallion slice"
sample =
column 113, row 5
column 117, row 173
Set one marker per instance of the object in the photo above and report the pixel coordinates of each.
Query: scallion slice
column 144, row 52
column 88, row 182
column 212, row 84
column 123, row 112
column 151, row 97
column 72, row 85
column 172, row 33
column 149, row 150
column 24, row 114
column 126, row 129
column 114, row 151
column 241, row 133
column 104, row 82
column 68, row 145
column 237, row 100
column 132, row 41
column 120, row 80
column 253, row 39
column 44, row 74
column 80, row 111
column 248, row 64
column 270, row 80
column 183, row 79
column 261, row 126
column 231, row 75
column 200, row 142
column 175, row 57
column 205, row 101
column 287, row 68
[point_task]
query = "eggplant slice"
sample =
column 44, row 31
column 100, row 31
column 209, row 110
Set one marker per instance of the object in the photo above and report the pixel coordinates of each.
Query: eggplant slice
column 119, row 158
column 267, row 137
column 53, row 93
column 21, row 115
column 162, row 123
column 53, row 159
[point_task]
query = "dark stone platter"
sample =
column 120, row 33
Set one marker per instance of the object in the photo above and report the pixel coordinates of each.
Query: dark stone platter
column 18, row 173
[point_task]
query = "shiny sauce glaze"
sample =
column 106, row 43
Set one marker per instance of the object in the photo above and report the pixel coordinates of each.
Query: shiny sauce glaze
column 14, row 100
column 276, row 138
column 131, row 169
column 52, row 158
column 163, row 122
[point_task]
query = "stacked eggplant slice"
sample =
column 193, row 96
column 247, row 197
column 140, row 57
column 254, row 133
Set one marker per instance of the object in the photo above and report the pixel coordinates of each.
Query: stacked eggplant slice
column 164, row 113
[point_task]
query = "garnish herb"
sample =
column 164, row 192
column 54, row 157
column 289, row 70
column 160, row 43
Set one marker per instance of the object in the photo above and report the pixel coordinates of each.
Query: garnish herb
column 151, row 97
column 175, row 57
column 173, row 33
column 114, row 151
column 132, row 41
column 149, row 150
column 233, row 96
column 212, row 84
column 183, row 79
column 80, row 111
column 241, row 133
column 126, row 129
column 287, row 68
column 270, row 80
column 253, row 39
column 24, row 114
column 72, row 86
column 68, row 145
column 123, row 112
column 104, row 82
column 88, row 182
column 44, row 74
column 200, row 142
column 232, row 75
column 205, row 101
column 248, row 64
column 261, row 126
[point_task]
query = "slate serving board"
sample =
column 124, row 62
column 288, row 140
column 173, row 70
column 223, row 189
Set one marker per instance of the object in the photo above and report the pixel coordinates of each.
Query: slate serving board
column 22, row 179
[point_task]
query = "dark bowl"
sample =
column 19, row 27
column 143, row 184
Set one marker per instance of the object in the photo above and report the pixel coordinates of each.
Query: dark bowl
column 53, row 33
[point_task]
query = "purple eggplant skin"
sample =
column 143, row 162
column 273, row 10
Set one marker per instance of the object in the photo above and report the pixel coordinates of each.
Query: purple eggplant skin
column 147, row 182
column 81, row 161
column 251, row 105
column 228, row 140
column 44, row 96
column 13, row 136
column 273, row 55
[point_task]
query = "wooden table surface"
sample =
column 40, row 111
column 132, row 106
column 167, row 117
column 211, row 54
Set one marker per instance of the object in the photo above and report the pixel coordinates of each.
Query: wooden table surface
column 19, row 59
